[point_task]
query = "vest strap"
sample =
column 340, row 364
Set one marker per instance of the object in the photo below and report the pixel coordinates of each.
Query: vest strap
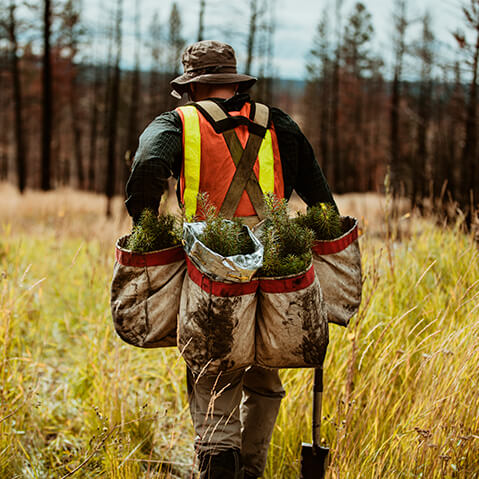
column 222, row 121
column 244, row 159
column 253, row 187
column 243, row 172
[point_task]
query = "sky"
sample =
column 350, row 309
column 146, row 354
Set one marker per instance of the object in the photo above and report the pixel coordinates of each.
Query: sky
column 296, row 21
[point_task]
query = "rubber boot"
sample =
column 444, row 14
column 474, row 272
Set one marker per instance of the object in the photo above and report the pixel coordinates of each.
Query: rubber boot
column 223, row 465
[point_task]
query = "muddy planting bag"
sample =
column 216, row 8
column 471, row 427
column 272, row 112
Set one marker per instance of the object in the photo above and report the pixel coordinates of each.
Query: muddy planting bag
column 338, row 267
column 216, row 323
column 145, row 295
column 292, row 330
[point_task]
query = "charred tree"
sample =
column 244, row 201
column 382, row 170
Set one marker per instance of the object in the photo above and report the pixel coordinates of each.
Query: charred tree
column 94, row 120
column 175, row 48
column 400, row 28
column 175, row 40
column 470, row 176
column 253, row 24
column 155, row 45
column 112, row 127
column 335, row 99
column 357, row 61
column 424, row 109
column 20, row 150
column 319, row 95
column 72, row 32
column 47, row 99
column 201, row 20
column 134, row 107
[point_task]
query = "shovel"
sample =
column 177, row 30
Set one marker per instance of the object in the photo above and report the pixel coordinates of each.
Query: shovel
column 314, row 458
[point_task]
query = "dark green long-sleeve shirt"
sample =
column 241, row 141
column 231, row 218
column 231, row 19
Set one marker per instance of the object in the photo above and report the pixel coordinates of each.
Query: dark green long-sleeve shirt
column 160, row 156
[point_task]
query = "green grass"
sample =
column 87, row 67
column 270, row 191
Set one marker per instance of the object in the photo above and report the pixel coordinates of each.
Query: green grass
column 401, row 383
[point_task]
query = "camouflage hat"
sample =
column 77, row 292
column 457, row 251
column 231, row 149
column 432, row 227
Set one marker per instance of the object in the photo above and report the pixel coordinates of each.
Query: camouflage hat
column 210, row 62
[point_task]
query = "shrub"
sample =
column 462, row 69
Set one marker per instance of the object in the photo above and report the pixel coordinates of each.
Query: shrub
column 153, row 233
column 324, row 220
column 226, row 238
column 287, row 244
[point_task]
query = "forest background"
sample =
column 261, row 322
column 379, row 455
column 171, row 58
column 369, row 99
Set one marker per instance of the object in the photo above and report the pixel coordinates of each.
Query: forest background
column 76, row 90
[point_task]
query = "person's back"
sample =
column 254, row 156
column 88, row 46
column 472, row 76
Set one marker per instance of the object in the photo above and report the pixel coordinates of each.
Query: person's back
column 226, row 145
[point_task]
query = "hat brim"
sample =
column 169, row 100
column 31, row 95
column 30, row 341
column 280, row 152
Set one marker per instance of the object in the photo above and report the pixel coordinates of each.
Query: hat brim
column 180, row 84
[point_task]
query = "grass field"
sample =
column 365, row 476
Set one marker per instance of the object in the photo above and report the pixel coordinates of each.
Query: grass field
column 401, row 384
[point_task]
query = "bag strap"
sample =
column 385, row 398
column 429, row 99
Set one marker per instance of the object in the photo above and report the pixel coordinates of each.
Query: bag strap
column 244, row 159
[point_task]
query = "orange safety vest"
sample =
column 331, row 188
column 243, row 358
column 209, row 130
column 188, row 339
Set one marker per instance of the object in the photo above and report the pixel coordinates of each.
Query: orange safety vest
column 208, row 164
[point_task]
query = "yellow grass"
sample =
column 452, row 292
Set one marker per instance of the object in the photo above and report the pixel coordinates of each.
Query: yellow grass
column 401, row 383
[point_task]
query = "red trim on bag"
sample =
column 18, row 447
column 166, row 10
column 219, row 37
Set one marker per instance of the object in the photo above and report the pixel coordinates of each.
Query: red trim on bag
column 337, row 245
column 217, row 288
column 156, row 258
column 288, row 285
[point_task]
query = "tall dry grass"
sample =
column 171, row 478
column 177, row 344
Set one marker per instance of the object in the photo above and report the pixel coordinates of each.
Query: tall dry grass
column 401, row 383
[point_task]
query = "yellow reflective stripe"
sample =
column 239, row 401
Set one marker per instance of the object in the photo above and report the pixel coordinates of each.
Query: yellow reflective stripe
column 266, row 164
column 192, row 146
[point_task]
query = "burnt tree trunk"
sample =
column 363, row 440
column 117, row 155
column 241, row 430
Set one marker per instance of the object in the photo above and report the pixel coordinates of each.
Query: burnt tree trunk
column 132, row 132
column 112, row 126
column 76, row 130
column 469, row 153
column 400, row 28
column 17, row 102
column 201, row 20
column 47, row 107
column 253, row 21
column 93, row 130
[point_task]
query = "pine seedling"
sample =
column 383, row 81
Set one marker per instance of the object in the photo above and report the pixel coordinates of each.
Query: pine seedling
column 153, row 233
column 324, row 220
column 287, row 244
column 226, row 238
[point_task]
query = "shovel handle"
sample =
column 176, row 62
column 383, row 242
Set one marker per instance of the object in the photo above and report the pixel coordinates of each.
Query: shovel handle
column 317, row 405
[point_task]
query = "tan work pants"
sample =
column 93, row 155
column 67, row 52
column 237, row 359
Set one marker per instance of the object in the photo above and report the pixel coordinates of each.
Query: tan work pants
column 236, row 410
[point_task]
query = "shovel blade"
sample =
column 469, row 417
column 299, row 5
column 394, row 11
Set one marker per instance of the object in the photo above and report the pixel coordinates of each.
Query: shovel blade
column 314, row 461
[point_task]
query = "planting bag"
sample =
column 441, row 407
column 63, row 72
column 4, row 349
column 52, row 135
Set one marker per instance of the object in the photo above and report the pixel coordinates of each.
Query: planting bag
column 338, row 267
column 239, row 268
column 216, row 323
column 291, row 328
column 145, row 295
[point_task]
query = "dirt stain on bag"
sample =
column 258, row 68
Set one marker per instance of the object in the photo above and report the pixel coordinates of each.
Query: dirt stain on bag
column 208, row 333
column 313, row 323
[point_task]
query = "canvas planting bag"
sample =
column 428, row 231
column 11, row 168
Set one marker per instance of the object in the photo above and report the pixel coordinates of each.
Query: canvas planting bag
column 292, row 330
column 216, row 323
column 145, row 295
column 217, row 315
column 338, row 267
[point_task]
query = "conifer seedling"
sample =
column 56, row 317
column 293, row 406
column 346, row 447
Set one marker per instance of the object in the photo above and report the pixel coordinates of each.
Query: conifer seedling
column 153, row 233
column 226, row 238
column 324, row 220
column 287, row 244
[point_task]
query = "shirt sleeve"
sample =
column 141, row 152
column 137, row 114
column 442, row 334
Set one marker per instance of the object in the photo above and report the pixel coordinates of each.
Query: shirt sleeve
column 301, row 171
column 158, row 158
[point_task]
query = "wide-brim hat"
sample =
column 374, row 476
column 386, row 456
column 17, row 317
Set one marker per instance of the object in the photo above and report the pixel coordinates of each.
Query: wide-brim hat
column 210, row 62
